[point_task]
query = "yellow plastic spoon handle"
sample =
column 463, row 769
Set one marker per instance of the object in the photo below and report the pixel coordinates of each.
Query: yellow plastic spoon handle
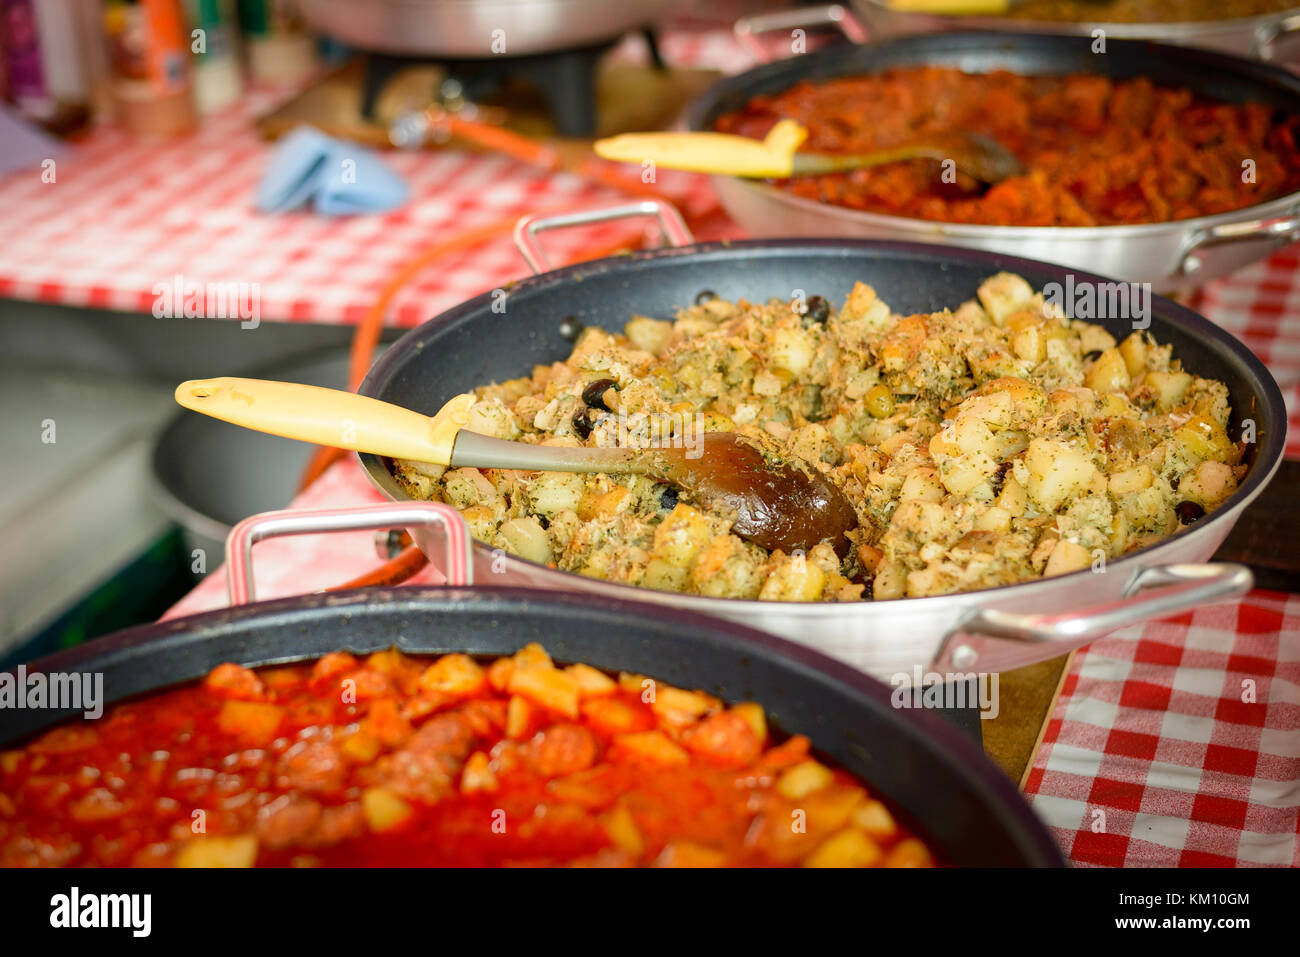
column 721, row 153
column 956, row 8
column 331, row 417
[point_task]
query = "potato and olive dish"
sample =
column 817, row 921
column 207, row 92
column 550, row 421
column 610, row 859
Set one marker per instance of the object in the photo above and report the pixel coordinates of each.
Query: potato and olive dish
column 990, row 444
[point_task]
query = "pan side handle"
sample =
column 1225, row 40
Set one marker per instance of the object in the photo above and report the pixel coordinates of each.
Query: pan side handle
column 748, row 29
column 1270, row 33
column 459, row 569
column 674, row 228
column 1281, row 229
column 1155, row 592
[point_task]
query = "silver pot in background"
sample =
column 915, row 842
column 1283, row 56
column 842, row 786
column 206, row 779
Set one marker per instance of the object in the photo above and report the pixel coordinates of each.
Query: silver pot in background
column 1256, row 37
column 479, row 28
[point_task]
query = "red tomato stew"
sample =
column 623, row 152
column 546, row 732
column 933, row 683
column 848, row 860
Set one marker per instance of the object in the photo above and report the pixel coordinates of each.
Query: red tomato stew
column 1097, row 151
column 398, row 760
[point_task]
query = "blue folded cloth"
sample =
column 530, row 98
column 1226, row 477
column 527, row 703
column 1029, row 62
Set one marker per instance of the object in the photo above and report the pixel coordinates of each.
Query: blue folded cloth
column 339, row 177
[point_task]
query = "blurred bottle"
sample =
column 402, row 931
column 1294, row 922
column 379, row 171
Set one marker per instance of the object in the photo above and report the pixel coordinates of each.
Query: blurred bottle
column 149, row 50
column 218, row 81
column 280, row 50
column 52, row 60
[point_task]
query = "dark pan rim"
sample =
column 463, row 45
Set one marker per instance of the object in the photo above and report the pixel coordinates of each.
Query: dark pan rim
column 1184, row 28
column 846, row 62
column 1268, row 456
column 938, row 739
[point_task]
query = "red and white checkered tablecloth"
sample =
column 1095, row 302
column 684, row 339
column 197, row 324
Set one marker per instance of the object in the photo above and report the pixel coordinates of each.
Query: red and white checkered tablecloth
column 1173, row 743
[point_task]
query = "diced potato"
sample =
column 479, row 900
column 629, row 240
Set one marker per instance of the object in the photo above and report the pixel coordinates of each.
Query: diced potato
column 1131, row 480
column 1066, row 557
column 663, row 576
column 890, row 581
column 591, row 683
column 383, row 809
column 681, row 535
column 254, row 722
column 1094, row 338
column 1204, row 438
column 615, row 716
column 499, row 672
column 521, row 718
column 554, row 492
column 605, row 505
column 1108, row 373
column 689, row 854
column 874, row 818
column 794, row 580
column 755, row 717
column 1056, row 472
column 477, row 775
column 848, row 848
column 791, row 349
column 214, row 851
column 526, row 538
column 649, row 335
column 622, row 830
column 1013, row 499
column 803, row 779
column 454, row 674
column 1030, row 344
column 677, row 708
column 651, row 747
column 548, row 687
column 532, row 655
column 923, row 485
column 1169, row 388
column 362, row 747
column 1004, row 294
column 1209, row 485
column 909, row 853
column 1133, row 350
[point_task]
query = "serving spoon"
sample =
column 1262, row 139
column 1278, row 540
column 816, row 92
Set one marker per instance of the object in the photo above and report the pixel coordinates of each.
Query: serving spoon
column 777, row 155
column 773, row 504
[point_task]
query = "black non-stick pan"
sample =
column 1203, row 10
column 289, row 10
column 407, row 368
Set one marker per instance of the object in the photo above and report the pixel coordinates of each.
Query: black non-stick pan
column 937, row 778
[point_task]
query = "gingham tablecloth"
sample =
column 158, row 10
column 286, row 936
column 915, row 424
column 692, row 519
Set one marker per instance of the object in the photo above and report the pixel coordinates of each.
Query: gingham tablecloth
column 1173, row 743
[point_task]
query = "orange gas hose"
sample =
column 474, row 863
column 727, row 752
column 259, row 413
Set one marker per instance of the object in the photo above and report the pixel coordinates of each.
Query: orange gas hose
column 366, row 337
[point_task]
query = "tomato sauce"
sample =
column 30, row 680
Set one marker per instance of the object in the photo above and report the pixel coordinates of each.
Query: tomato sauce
column 1097, row 151
column 394, row 760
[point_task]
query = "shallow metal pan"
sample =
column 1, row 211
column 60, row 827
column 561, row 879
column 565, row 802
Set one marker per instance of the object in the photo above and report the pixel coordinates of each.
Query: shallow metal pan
column 473, row 344
column 1172, row 256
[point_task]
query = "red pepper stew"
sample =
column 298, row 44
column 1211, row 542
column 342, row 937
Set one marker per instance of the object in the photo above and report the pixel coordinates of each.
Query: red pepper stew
column 1097, row 151
column 393, row 760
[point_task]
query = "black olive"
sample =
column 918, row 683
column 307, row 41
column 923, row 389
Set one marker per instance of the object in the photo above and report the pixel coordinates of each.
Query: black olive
column 999, row 477
column 705, row 295
column 819, row 310
column 571, row 328
column 583, row 423
column 1092, row 356
column 667, row 497
column 594, row 394
column 1188, row 512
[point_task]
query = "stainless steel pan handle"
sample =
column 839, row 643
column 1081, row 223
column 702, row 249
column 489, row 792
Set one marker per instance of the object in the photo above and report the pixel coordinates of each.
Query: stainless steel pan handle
column 459, row 569
column 1270, row 33
column 1155, row 592
column 747, row 29
column 1285, row 227
column 675, row 230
